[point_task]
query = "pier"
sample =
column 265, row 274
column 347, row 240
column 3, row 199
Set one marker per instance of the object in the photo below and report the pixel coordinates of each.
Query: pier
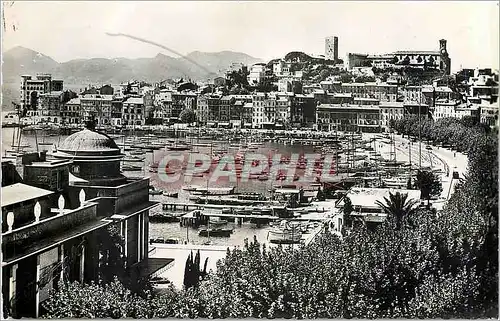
column 197, row 217
column 190, row 206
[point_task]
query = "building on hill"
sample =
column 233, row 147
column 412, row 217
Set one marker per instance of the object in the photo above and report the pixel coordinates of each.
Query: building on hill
column 257, row 74
column 380, row 91
column 437, row 60
column 489, row 114
column 219, row 81
column 332, row 48
column 106, row 90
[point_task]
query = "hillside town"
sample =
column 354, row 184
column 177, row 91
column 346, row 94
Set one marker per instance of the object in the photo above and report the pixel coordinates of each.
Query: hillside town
column 308, row 186
column 318, row 92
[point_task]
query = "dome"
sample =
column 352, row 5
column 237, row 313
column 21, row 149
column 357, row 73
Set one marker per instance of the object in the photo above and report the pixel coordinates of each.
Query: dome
column 88, row 141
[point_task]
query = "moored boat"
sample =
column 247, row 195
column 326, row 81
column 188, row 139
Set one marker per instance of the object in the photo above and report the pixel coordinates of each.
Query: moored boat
column 216, row 232
column 285, row 233
column 174, row 195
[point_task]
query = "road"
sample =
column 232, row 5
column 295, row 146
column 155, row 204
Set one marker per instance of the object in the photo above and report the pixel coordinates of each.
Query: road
column 437, row 158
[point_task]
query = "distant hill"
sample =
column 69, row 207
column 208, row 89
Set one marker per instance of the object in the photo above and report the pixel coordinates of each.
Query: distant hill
column 196, row 66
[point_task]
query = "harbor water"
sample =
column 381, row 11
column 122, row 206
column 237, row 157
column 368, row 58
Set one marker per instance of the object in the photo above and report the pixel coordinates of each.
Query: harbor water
column 174, row 230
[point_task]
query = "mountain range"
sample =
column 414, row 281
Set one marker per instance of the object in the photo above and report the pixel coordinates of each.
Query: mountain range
column 196, row 66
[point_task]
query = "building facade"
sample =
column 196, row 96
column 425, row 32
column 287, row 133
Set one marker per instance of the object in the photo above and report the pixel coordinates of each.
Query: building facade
column 32, row 87
column 350, row 118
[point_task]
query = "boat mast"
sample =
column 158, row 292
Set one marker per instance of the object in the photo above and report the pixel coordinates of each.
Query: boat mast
column 419, row 131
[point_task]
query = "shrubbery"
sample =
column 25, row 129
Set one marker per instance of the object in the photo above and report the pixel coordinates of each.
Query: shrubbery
column 431, row 265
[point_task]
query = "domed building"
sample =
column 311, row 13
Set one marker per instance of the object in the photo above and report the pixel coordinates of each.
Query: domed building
column 95, row 169
column 58, row 216
column 95, row 156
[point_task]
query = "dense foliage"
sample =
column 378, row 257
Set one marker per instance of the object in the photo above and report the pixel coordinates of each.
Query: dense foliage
column 193, row 273
column 187, row 116
column 429, row 265
column 429, row 184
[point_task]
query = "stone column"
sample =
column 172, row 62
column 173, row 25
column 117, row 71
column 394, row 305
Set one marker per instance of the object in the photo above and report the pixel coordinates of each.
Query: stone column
column 82, row 264
column 12, row 285
column 37, row 286
column 139, row 237
column 61, row 260
column 125, row 252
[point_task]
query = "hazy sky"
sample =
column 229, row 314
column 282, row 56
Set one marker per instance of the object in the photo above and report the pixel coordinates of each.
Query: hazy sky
column 71, row 30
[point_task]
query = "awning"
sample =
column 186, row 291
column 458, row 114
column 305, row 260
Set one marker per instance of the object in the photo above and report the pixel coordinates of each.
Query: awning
column 151, row 267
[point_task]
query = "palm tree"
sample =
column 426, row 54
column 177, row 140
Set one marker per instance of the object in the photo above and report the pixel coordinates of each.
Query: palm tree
column 398, row 206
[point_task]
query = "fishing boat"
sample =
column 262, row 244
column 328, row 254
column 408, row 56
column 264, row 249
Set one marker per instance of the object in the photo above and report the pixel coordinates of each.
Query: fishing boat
column 131, row 168
column 179, row 147
column 154, row 191
column 263, row 178
column 285, row 233
column 190, row 188
column 137, row 152
column 133, row 159
column 217, row 221
column 174, row 195
column 216, row 232
column 217, row 191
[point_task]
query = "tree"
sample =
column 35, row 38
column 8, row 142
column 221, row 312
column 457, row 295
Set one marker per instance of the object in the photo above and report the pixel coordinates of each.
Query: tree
column 67, row 96
column 187, row 116
column 429, row 185
column 192, row 272
column 297, row 87
column 397, row 207
column 112, row 262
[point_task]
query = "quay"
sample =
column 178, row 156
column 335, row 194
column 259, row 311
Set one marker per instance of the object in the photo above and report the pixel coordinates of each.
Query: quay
column 196, row 218
column 172, row 206
column 193, row 247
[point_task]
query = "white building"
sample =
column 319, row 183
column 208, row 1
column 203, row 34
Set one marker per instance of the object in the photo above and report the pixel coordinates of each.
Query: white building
column 133, row 111
column 257, row 74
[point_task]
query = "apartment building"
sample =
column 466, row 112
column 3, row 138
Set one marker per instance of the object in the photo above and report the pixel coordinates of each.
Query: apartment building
column 71, row 112
column 133, row 111
column 351, row 118
column 96, row 107
column 50, row 105
column 33, row 86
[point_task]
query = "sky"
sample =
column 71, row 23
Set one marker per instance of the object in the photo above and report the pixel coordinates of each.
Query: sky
column 266, row 30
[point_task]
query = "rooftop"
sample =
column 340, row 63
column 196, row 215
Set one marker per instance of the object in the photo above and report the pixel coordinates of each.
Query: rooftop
column 349, row 106
column 19, row 192
column 88, row 140
column 368, row 196
column 74, row 101
column 134, row 100
column 417, row 52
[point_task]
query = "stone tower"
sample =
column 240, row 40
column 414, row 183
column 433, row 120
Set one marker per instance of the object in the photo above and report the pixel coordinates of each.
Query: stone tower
column 445, row 65
column 332, row 48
